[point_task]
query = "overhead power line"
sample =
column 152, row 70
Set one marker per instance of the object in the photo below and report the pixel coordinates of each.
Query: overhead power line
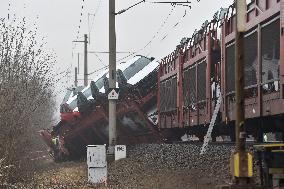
column 164, row 22
column 124, row 10
column 103, row 68
column 174, row 26
column 9, row 9
column 90, row 26
column 173, row 3
column 79, row 26
column 101, row 61
column 80, row 22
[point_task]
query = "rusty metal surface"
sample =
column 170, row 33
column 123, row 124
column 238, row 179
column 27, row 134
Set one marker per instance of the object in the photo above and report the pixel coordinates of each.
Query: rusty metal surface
column 260, row 104
column 197, row 54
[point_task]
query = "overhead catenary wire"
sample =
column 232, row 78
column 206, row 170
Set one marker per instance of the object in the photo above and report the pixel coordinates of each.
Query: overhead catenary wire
column 174, row 4
column 95, row 71
column 174, row 26
column 80, row 22
column 90, row 26
column 101, row 61
column 124, row 10
column 103, row 52
column 9, row 9
column 164, row 22
column 78, row 32
column 79, row 26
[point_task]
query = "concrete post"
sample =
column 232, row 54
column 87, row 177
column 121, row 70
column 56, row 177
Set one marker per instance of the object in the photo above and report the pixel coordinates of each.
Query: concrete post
column 76, row 77
column 85, row 60
column 112, row 76
column 78, row 66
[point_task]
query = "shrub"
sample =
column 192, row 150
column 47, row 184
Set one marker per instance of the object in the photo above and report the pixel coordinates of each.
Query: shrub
column 26, row 94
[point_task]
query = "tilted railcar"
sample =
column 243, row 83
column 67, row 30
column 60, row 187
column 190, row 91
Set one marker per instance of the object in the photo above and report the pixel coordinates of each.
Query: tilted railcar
column 84, row 117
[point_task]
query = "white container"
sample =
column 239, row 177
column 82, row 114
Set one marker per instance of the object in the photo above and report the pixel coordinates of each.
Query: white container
column 97, row 164
column 120, row 152
column 96, row 156
column 97, row 175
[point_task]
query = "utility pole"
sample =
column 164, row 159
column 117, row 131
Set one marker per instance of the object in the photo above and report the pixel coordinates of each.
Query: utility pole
column 239, row 74
column 76, row 77
column 112, row 68
column 85, row 60
column 241, row 161
column 78, row 63
column 112, row 76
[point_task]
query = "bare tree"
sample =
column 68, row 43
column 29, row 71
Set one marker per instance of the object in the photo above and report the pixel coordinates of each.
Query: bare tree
column 26, row 92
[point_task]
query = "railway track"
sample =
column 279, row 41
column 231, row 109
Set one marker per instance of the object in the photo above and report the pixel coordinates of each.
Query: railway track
column 226, row 143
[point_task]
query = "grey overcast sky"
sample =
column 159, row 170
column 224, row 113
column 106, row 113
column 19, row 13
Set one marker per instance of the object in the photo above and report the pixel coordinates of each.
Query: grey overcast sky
column 58, row 21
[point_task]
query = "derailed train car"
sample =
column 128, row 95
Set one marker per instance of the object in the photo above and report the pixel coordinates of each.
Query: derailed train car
column 190, row 77
column 84, row 117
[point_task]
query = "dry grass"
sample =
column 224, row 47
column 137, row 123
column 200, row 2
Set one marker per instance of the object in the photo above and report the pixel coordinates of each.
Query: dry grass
column 74, row 175
column 63, row 175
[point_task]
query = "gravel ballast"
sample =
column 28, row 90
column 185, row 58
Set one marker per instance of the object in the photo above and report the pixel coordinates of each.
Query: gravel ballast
column 147, row 166
column 171, row 165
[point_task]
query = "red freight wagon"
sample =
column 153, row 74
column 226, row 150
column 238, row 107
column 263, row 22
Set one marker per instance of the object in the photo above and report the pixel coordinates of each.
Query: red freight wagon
column 264, row 67
column 186, row 76
column 190, row 76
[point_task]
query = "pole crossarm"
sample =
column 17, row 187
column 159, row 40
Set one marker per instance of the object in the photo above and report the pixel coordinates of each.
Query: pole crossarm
column 78, row 41
column 173, row 3
column 107, row 52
